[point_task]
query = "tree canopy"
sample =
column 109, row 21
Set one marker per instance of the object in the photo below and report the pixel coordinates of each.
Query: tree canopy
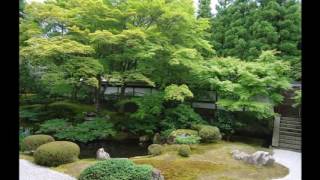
column 68, row 46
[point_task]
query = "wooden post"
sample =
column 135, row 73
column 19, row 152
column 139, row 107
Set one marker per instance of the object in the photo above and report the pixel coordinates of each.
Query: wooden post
column 276, row 129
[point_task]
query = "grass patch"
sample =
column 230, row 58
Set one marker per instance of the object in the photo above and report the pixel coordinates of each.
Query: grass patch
column 74, row 169
column 211, row 162
column 207, row 162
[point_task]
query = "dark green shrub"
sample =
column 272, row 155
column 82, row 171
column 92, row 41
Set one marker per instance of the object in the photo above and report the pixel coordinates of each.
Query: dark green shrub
column 23, row 133
column 88, row 131
column 226, row 122
column 180, row 117
column 56, row 153
column 188, row 139
column 53, row 126
column 117, row 169
column 209, row 134
column 68, row 110
column 155, row 149
column 31, row 143
column 184, row 151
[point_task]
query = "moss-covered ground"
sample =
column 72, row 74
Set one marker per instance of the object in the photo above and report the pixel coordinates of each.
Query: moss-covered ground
column 206, row 162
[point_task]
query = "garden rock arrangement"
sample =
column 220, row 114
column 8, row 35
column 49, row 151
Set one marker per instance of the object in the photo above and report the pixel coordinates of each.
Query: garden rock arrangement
column 257, row 158
column 102, row 155
column 156, row 175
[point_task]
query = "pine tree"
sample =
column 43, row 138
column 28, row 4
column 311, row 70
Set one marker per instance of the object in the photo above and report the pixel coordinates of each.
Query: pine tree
column 204, row 9
column 244, row 28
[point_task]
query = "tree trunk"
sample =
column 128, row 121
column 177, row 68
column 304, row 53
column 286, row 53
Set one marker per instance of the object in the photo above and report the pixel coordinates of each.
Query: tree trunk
column 97, row 95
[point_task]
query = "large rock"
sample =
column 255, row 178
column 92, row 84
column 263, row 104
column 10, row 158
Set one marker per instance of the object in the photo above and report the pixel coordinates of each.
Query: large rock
column 102, row 155
column 257, row 158
column 156, row 175
column 156, row 139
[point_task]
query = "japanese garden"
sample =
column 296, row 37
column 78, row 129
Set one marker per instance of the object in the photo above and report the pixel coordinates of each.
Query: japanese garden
column 159, row 89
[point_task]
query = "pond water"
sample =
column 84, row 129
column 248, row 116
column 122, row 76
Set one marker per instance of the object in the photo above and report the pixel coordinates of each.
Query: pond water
column 116, row 149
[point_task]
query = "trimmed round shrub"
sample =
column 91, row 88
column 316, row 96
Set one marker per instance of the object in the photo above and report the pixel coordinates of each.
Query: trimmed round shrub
column 188, row 139
column 155, row 149
column 184, row 151
column 56, row 153
column 31, row 143
column 210, row 134
column 198, row 127
column 117, row 169
column 180, row 132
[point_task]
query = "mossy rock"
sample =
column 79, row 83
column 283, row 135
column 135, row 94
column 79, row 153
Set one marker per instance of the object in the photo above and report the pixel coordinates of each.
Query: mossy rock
column 56, row 153
column 31, row 143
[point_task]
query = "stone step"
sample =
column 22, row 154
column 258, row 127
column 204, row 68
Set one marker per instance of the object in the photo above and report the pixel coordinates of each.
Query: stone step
column 290, row 122
column 289, row 137
column 296, row 150
column 295, row 126
column 293, row 142
column 295, row 134
column 290, row 146
column 285, row 129
column 291, row 119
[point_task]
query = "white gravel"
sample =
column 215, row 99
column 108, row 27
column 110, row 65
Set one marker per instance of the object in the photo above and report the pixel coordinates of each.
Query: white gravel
column 30, row 171
column 291, row 160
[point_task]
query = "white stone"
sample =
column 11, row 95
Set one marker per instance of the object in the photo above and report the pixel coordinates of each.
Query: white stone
column 102, row 155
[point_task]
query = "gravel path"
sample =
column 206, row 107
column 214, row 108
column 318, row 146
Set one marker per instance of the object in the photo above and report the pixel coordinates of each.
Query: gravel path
column 30, row 171
column 291, row 160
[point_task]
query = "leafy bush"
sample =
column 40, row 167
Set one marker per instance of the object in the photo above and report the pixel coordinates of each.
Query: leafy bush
column 88, row 131
column 183, row 116
column 177, row 93
column 53, row 126
column 184, row 151
column 64, row 109
column 30, row 112
column 155, row 149
column 188, row 139
column 31, row 143
column 22, row 135
column 209, row 134
column 117, row 169
column 56, row 153
column 180, row 132
column 226, row 122
column 198, row 127
column 146, row 119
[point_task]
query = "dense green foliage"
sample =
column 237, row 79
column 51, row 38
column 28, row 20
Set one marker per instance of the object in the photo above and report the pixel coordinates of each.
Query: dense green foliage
column 177, row 93
column 184, row 150
column 297, row 98
column 53, row 126
column 227, row 123
column 88, row 131
column 117, row 169
column 204, row 9
column 31, row 143
column 180, row 117
column 247, row 86
column 56, row 153
column 248, row 53
column 155, row 149
column 244, row 28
